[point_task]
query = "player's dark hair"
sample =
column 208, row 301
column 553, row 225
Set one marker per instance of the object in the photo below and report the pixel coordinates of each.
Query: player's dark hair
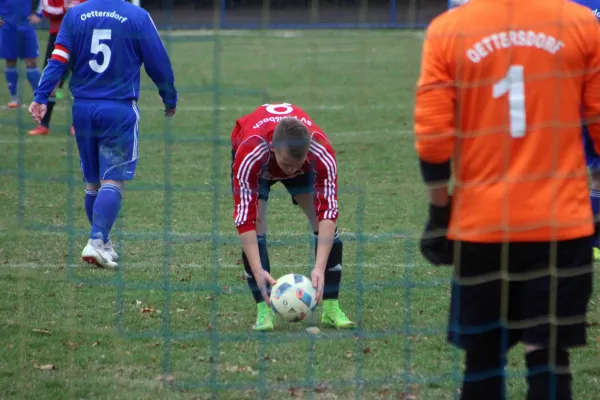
column 293, row 135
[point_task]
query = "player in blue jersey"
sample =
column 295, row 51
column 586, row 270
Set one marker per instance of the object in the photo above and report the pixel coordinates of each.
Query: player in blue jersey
column 107, row 41
column 18, row 40
column 592, row 158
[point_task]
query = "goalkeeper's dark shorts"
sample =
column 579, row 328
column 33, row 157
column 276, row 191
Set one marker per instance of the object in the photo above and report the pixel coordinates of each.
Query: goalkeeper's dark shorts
column 301, row 184
column 487, row 310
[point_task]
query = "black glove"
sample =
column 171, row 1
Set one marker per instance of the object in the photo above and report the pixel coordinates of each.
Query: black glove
column 434, row 244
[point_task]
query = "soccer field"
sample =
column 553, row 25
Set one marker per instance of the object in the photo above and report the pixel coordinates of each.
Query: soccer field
column 175, row 320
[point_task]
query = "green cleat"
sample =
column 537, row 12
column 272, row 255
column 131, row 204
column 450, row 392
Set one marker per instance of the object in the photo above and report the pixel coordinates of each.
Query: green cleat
column 58, row 94
column 265, row 319
column 596, row 254
column 333, row 315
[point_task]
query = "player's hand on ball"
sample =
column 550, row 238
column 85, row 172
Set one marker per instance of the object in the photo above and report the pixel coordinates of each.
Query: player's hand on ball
column 434, row 244
column 37, row 111
column 262, row 279
column 169, row 112
column 317, row 277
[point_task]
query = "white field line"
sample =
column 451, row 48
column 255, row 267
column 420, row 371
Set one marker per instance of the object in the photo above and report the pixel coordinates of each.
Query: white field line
column 317, row 107
column 232, row 32
column 158, row 266
column 277, row 33
column 59, row 136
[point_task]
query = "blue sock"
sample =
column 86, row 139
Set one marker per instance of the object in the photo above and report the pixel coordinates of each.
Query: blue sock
column 90, row 199
column 595, row 199
column 106, row 211
column 12, row 79
column 33, row 76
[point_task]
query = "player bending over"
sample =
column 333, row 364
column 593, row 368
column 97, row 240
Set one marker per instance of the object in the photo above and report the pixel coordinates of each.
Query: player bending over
column 279, row 142
column 592, row 158
column 19, row 40
column 105, row 86
column 54, row 11
column 500, row 95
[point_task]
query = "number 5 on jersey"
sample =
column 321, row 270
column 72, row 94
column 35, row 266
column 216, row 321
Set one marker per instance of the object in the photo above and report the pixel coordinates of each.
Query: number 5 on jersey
column 514, row 85
column 97, row 47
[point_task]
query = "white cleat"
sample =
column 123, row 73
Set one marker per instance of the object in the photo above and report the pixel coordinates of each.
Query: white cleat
column 94, row 253
column 110, row 250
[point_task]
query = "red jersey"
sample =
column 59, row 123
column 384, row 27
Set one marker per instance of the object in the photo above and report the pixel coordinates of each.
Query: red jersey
column 251, row 141
column 55, row 10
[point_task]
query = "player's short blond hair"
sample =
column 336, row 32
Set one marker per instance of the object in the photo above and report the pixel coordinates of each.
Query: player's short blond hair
column 293, row 135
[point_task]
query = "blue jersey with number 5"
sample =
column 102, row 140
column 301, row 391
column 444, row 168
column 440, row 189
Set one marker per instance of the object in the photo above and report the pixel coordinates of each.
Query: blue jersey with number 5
column 107, row 41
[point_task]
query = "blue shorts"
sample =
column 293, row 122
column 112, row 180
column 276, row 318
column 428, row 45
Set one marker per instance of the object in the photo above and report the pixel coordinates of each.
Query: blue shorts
column 18, row 42
column 107, row 138
column 591, row 157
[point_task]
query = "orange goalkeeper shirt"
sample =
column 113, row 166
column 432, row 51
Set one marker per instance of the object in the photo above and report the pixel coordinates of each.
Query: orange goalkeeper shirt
column 502, row 89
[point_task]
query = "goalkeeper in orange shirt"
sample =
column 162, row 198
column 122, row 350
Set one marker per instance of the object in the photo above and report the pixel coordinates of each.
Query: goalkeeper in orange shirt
column 500, row 95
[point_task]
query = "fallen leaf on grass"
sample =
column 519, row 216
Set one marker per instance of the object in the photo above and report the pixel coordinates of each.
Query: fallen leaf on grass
column 348, row 354
column 407, row 396
column 320, row 388
column 165, row 378
column 71, row 345
column 149, row 310
column 43, row 331
column 45, row 367
column 96, row 343
column 236, row 368
column 366, row 350
column 138, row 303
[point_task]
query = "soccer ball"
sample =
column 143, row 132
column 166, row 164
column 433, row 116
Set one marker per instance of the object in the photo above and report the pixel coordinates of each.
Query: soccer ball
column 293, row 297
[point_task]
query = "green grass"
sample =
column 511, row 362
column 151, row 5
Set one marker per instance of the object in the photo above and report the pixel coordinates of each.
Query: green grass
column 179, row 250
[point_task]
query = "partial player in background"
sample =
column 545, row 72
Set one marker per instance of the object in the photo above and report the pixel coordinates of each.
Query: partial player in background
column 499, row 97
column 280, row 143
column 54, row 11
column 592, row 158
column 18, row 40
column 106, row 41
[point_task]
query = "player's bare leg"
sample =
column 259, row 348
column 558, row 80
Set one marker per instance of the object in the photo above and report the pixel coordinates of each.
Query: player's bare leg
column 102, row 208
column 332, row 313
column 265, row 317
column 595, row 199
column 12, row 80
